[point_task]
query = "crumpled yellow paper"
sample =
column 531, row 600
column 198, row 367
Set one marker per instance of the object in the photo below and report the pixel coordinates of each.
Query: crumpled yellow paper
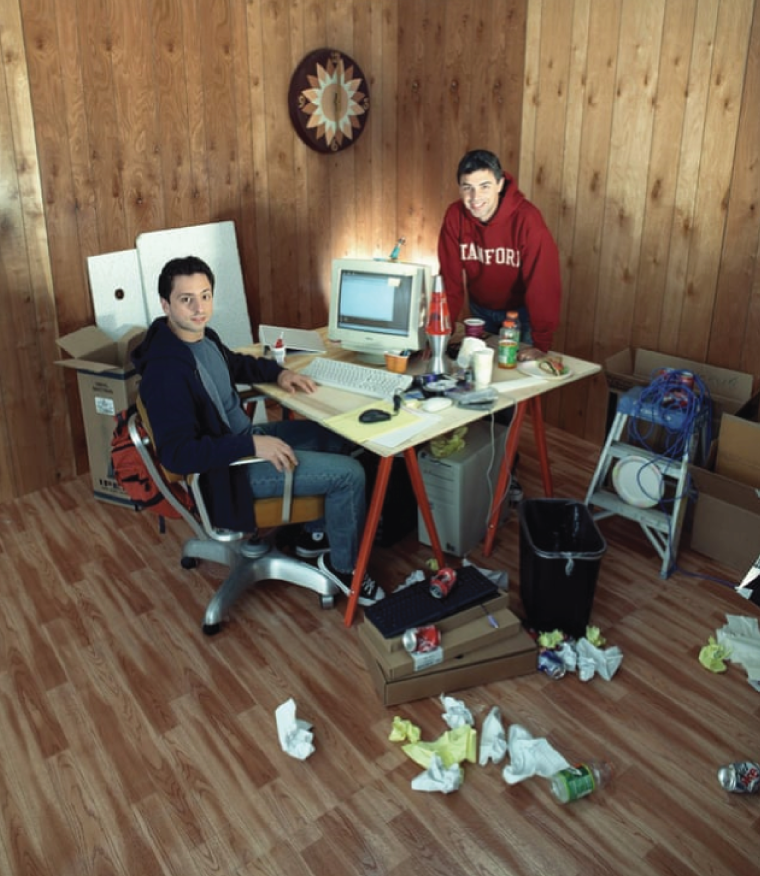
column 714, row 655
column 449, row 443
column 551, row 640
column 454, row 746
column 404, row 729
column 594, row 635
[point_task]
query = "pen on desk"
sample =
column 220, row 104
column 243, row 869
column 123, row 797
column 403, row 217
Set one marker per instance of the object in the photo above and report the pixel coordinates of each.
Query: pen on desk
column 491, row 619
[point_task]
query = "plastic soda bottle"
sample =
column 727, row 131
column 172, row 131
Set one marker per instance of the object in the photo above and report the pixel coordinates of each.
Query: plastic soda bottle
column 741, row 777
column 509, row 335
column 514, row 316
column 580, row 780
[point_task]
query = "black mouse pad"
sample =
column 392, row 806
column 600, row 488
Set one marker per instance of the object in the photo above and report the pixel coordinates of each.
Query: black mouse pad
column 415, row 605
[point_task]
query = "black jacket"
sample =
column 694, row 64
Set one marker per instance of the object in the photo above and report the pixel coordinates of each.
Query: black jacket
column 190, row 435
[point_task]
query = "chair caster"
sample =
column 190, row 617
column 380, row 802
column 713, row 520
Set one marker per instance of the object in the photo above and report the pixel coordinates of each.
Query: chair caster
column 188, row 563
column 211, row 629
column 326, row 602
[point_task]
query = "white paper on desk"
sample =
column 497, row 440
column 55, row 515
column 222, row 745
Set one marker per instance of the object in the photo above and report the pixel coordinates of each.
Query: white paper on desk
column 517, row 383
column 403, row 433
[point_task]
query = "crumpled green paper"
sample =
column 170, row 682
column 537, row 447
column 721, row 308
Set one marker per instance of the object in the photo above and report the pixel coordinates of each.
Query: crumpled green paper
column 594, row 635
column 714, row 655
column 404, row 729
column 454, row 746
column 449, row 443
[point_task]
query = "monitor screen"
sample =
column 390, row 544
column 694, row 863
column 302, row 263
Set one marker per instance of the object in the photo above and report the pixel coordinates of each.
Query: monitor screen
column 378, row 305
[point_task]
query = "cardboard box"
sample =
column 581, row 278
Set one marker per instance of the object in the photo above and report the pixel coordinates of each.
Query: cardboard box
column 518, row 658
column 726, row 524
column 477, row 637
column 396, row 643
column 729, row 390
column 107, row 384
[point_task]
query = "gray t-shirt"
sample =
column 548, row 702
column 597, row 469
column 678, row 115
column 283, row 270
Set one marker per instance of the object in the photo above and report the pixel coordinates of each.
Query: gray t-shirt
column 216, row 378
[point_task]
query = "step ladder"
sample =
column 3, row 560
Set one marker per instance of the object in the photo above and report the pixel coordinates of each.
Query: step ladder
column 661, row 524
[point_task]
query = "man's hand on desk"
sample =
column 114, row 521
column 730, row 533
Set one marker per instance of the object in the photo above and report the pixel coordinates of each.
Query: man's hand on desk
column 292, row 381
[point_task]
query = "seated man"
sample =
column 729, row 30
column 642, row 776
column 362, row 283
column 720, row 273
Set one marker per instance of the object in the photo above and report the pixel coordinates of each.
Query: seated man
column 187, row 384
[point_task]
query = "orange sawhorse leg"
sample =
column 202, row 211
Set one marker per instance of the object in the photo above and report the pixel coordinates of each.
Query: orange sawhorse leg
column 508, row 462
column 373, row 518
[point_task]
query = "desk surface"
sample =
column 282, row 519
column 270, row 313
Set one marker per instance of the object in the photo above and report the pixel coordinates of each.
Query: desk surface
column 327, row 402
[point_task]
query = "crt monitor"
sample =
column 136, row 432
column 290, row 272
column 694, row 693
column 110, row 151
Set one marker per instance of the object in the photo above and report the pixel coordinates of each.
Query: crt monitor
column 378, row 305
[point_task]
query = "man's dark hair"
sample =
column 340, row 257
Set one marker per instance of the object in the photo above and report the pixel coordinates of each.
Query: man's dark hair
column 183, row 267
column 479, row 159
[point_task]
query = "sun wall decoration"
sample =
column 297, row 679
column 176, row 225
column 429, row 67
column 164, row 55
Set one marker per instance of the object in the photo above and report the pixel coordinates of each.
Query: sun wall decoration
column 328, row 100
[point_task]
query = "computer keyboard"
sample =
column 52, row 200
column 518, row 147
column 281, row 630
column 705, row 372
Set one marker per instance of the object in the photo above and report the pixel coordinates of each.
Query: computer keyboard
column 360, row 379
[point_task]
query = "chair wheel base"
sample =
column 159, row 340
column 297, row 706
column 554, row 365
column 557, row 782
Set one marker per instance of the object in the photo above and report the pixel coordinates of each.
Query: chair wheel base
column 188, row 563
column 326, row 602
column 211, row 629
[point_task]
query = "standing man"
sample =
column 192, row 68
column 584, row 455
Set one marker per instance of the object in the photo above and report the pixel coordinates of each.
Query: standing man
column 188, row 379
column 494, row 245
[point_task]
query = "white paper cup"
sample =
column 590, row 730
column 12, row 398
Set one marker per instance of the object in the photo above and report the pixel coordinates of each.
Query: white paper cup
column 482, row 367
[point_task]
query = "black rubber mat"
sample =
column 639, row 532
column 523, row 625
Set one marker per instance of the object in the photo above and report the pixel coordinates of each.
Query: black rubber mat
column 414, row 606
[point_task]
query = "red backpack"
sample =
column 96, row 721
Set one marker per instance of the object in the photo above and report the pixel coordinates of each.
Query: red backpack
column 133, row 476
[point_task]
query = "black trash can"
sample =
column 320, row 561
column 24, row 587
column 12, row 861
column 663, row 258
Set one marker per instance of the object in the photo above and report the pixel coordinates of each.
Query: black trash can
column 561, row 550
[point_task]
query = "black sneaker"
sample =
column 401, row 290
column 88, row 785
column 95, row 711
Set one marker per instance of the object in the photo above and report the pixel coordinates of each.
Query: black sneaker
column 370, row 591
column 312, row 544
column 515, row 493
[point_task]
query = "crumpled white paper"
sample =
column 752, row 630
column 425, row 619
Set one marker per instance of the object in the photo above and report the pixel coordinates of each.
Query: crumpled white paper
column 456, row 714
column 605, row 661
column 437, row 777
column 742, row 636
column 530, row 757
column 493, row 739
column 295, row 735
column 468, row 347
column 499, row 578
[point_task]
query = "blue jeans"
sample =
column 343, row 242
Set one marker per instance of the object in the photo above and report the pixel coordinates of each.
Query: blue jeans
column 494, row 319
column 324, row 469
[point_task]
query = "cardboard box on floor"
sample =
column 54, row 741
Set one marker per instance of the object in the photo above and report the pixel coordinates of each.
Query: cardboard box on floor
column 518, row 657
column 729, row 390
column 471, row 640
column 726, row 524
column 107, row 385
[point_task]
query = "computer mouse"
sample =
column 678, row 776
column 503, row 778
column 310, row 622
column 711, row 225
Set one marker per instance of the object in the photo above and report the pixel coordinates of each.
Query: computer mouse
column 435, row 404
column 373, row 415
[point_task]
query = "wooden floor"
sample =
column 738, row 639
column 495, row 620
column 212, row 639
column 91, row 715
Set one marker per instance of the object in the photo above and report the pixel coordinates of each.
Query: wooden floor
column 133, row 745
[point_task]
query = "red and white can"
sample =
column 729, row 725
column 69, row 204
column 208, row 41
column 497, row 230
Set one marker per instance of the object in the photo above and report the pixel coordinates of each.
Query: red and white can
column 420, row 640
column 442, row 582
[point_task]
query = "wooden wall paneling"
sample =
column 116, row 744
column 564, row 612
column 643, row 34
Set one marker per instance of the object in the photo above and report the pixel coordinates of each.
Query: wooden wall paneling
column 386, row 60
column 570, row 407
column 245, row 220
column 530, row 88
column 363, row 21
column 690, row 153
column 195, row 47
column 443, row 91
column 509, row 53
column 220, row 107
column 257, row 274
column 731, row 344
column 97, row 37
column 135, row 100
column 280, row 158
column 669, row 110
column 316, row 212
column 714, row 181
column 629, row 152
column 172, row 113
column 544, row 187
column 28, row 395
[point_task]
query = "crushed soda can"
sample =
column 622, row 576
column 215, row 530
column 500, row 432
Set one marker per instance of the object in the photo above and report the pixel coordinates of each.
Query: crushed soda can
column 420, row 640
column 741, row 777
column 442, row 582
column 551, row 662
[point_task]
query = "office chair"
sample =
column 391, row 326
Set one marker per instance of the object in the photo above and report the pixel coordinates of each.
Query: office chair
column 224, row 546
